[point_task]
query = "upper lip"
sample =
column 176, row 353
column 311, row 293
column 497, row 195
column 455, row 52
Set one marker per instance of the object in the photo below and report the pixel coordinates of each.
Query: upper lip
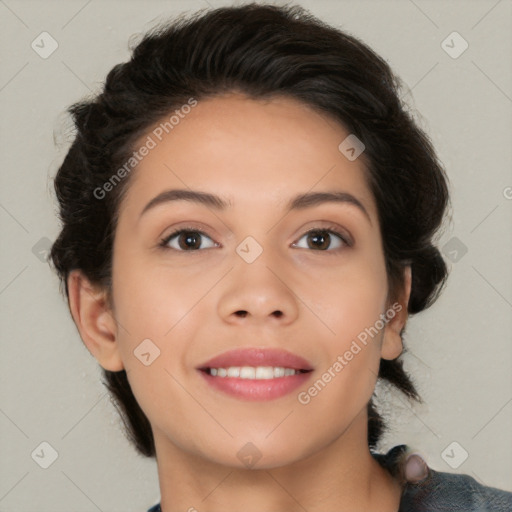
column 257, row 357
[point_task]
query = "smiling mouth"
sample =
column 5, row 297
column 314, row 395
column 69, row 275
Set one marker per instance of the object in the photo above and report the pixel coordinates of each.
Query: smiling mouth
column 256, row 373
column 253, row 372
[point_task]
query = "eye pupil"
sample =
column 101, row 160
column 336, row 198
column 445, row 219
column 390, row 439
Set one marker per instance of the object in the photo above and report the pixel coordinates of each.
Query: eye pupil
column 189, row 237
column 321, row 237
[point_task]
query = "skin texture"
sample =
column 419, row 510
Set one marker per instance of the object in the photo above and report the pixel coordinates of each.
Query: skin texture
column 256, row 154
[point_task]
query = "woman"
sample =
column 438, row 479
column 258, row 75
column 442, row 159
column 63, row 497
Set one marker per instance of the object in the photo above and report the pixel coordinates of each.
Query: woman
column 248, row 218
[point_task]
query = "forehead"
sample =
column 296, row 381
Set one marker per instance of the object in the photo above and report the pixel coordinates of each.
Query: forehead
column 252, row 152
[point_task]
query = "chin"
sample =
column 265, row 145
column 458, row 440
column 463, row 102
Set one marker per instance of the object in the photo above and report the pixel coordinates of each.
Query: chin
column 254, row 456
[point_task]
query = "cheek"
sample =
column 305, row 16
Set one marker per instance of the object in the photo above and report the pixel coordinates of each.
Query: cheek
column 159, row 311
column 351, row 305
column 150, row 298
column 351, row 299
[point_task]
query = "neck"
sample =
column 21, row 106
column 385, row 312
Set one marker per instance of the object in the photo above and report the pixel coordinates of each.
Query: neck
column 342, row 476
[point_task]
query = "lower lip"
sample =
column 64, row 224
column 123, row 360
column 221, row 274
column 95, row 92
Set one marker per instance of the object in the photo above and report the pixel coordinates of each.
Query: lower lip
column 257, row 389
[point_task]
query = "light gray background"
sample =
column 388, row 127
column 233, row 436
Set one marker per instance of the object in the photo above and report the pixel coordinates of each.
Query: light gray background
column 460, row 350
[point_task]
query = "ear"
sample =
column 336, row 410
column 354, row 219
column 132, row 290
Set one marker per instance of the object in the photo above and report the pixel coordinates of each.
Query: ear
column 397, row 314
column 94, row 320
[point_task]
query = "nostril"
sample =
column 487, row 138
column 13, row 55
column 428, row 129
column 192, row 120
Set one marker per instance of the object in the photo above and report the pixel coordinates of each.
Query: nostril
column 243, row 313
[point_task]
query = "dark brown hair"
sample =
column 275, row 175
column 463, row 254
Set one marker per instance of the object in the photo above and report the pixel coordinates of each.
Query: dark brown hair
column 262, row 51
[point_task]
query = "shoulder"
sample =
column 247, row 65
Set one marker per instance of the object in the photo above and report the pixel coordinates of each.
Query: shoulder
column 453, row 492
column 425, row 489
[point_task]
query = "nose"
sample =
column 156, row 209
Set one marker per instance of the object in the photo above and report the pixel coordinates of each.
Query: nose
column 259, row 292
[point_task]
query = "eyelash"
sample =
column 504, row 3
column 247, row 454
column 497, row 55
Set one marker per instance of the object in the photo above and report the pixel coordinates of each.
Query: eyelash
column 329, row 229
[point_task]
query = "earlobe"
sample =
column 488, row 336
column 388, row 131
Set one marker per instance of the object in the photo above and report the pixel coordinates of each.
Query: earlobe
column 392, row 345
column 94, row 321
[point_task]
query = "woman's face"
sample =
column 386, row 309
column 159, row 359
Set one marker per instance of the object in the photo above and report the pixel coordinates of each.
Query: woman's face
column 249, row 276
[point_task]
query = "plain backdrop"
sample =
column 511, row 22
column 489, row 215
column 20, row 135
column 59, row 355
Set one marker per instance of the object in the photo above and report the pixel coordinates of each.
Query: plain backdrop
column 459, row 351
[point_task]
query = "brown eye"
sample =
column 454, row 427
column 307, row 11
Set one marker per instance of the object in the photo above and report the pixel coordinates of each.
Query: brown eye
column 319, row 240
column 185, row 240
column 323, row 240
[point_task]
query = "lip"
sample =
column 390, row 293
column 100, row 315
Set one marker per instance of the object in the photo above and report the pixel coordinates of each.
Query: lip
column 257, row 389
column 257, row 357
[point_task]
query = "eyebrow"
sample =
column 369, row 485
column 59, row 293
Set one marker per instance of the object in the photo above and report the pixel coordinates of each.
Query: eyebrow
column 298, row 202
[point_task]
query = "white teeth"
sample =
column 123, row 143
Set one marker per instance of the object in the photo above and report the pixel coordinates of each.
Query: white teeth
column 247, row 372
column 279, row 372
column 233, row 371
column 264, row 372
column 250, row 372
